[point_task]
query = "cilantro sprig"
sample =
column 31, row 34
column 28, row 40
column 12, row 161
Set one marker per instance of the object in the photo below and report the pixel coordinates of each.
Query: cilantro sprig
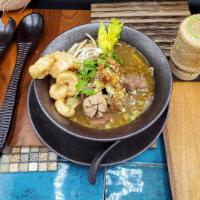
column 85, row 75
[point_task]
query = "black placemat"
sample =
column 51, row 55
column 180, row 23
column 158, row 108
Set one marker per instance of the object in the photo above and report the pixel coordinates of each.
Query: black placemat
column 61, row 4
column 194, row 5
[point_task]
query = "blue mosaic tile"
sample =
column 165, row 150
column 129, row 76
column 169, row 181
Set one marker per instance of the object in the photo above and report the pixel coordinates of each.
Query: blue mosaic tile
column 135, row 181
column 152, row 155
column 69, row 182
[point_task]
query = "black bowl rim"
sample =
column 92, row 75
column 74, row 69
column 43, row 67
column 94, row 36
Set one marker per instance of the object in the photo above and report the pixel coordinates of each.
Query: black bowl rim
column 116, row 138
column 88, row 164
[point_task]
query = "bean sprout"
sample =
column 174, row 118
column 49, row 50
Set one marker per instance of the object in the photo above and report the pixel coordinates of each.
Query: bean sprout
column 91, row 38
column 86, row 49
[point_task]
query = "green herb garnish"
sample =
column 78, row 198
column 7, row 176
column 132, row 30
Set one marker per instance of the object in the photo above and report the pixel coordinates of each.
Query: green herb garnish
column 85, row 75
column 108, row 38
column 117, row 58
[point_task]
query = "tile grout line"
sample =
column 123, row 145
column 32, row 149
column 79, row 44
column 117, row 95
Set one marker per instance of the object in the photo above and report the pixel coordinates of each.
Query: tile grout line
column 104, row 183
column 146, row 164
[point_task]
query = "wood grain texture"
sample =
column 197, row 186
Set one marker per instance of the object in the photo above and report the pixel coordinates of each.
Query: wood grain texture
column 158, row 19
column 56, row 21
column 182, row 136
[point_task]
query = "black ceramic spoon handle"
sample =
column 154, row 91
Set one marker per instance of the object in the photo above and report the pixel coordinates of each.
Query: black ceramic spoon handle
column 7, row 109
column 97, row 161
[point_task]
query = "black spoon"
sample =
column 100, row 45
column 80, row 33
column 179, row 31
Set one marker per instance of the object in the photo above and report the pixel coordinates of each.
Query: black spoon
column 27, row 35
column 6, row 34
column 98, row 160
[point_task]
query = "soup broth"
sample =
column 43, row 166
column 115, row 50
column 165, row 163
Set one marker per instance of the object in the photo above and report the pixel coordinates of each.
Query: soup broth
column 137, row 69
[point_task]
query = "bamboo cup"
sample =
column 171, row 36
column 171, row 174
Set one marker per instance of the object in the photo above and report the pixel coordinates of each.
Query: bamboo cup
column 185, row 53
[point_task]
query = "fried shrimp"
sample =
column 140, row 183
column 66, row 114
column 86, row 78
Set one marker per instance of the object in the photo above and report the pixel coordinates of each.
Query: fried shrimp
column 42, row 67
column 58, row 91
column 70, row 80
column 66, row 107
column 63, row 62
column 53, row 64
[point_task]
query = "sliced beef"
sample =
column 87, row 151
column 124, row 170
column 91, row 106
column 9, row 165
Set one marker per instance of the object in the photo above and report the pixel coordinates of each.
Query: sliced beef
column 101, row 121
column 116, row 105
column 134, row 80
column 95, row 105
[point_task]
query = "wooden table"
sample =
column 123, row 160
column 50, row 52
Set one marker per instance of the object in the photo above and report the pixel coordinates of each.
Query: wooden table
column 182, row 141
column 182, row 133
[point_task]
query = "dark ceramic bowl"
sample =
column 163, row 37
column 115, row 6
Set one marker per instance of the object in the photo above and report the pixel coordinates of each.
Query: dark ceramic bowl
column 83, row 151
column 162, row 76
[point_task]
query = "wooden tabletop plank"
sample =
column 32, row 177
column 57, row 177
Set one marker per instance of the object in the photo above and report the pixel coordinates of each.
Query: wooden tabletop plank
column 56, row 21
column 182, row 136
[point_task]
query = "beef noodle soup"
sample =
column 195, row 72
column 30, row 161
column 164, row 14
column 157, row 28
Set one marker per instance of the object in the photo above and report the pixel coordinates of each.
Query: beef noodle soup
column 101, row 83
